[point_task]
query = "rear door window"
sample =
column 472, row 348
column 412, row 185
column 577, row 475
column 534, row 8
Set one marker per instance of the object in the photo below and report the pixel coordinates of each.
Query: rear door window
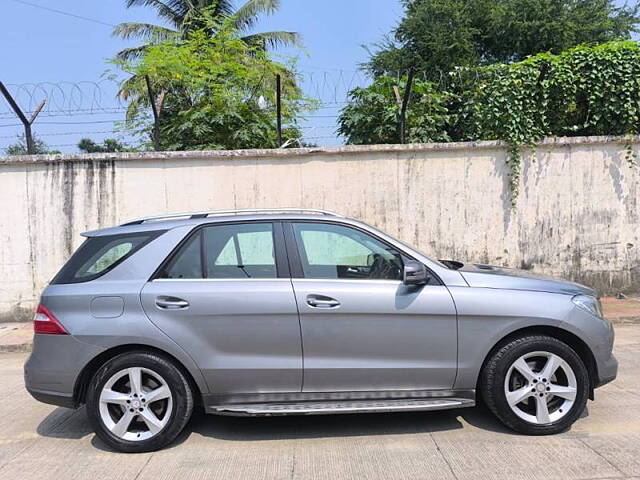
column 226, row 252
column 98, row 255
column 240, row 251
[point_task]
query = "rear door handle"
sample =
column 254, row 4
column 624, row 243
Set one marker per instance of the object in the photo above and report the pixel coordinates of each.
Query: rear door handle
column 171, row 303
column 320, row 301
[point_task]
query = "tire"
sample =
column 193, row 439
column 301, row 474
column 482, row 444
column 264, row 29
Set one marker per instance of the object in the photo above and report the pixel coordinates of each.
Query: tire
column 150, row 423
column 505, row 380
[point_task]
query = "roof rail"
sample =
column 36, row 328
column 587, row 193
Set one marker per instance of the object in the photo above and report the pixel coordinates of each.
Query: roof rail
column 212, row 213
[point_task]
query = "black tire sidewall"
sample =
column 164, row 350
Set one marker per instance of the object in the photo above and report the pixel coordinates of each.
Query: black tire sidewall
column 178, row 385
column 496, row 370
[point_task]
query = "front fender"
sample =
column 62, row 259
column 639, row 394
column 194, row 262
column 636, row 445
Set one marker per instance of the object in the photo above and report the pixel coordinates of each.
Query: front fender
column 486, row 316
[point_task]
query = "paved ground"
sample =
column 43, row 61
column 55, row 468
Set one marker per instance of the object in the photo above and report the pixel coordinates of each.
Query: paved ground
column 40, row 441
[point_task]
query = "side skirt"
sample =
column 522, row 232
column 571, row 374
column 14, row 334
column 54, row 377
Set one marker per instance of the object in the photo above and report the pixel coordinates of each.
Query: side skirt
column 325, row 403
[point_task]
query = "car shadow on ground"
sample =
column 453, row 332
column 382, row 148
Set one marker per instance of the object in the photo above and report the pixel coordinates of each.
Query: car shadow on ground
column 74, row 424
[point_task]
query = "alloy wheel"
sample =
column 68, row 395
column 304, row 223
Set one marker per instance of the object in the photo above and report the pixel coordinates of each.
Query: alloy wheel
column 540, row 387
column 135, row 404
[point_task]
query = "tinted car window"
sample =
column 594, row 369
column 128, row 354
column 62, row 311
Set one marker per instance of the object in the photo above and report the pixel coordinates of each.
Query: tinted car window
column 187, row 263
column 98, row 255
column 226, row 251
column 240, row 251
column 333, row 251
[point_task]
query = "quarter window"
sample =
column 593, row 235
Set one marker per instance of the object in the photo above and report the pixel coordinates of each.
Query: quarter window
column 98, row 255
column 337, row 252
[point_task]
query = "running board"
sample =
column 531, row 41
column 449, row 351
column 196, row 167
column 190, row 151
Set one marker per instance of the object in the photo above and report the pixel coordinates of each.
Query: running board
column 328, row 408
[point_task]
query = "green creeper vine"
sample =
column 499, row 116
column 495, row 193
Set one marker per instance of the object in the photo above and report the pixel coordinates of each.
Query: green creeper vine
column 584, row 91
column 588, row 90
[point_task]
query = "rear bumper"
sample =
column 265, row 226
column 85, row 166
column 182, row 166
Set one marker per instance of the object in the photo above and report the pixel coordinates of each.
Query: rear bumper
column 51, row 372
column 53, row 398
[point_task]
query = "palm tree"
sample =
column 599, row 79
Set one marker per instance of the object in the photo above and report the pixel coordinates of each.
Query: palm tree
column 184, row 16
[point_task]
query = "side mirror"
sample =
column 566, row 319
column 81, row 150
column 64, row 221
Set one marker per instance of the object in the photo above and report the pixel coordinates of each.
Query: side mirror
column 415, row 273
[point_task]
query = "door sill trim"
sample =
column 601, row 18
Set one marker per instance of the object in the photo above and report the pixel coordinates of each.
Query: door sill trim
column 337, row 402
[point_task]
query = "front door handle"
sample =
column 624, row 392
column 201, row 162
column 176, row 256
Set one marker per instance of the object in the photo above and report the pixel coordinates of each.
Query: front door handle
column 171, row 303
column 320, row 301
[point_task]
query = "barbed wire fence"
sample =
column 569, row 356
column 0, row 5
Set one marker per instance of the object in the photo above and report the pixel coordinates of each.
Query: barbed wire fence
column 92, row 109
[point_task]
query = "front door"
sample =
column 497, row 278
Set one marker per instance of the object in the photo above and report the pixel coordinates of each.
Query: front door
column 362, row 328
column 226, row 298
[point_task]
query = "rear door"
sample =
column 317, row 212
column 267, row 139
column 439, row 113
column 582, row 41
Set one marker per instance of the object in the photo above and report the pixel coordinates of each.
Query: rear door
column 362, row 328
column 226, row 298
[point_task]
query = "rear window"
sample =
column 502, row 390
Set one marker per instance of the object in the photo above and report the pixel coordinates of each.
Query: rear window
column 98, row 255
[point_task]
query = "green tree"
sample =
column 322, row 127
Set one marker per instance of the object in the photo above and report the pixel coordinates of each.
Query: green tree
column 20, row 147
column 87, row 145
column 218, row 92
column 186, row 16
column 373, row 113
column 436, row 36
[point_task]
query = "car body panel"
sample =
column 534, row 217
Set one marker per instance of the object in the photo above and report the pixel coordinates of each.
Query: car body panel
column 489, row 276
column 70, row 304
column 51, row 372
column 487, row 315
column 383, row 336
column 244, row 334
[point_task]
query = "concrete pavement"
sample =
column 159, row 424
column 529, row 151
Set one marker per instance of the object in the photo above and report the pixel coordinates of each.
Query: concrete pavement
column 44, row 442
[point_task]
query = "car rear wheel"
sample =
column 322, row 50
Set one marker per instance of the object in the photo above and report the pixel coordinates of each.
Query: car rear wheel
column 139, row 402
column 535, row 385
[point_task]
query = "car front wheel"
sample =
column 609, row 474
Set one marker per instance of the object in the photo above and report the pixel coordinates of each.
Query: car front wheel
column 139, row 402
column 535, row 385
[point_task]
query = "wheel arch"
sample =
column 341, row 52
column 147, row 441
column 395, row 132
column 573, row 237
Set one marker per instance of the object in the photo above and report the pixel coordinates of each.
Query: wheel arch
column 571, row 339
column 85, row 376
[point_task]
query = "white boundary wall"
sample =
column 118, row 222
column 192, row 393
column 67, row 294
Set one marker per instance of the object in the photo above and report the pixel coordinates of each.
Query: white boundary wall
column 578, row 213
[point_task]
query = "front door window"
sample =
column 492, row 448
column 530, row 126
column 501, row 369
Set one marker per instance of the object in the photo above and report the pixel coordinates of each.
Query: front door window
column 336, row 252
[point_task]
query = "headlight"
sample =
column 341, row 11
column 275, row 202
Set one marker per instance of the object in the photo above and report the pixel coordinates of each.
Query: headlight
column 588, row 304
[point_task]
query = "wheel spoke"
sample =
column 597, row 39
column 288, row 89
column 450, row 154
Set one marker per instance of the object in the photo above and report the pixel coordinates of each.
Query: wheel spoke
column 553, row 362
column 111, row 396
column 135, row 380
column 153, row 423
column 159, row 393
column 524, row 369
column 519, row 395
column 542, row 410
column 122, row 426
column 568, row 393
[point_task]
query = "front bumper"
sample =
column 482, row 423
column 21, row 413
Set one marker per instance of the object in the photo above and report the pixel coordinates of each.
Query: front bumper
column 607, row 371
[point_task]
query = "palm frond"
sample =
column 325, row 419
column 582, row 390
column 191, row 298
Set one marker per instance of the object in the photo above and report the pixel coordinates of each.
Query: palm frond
column 223, row 8
column 272, row 40
column 132, row 53
column 170, row 10
column 247, row 15
column 143, row 30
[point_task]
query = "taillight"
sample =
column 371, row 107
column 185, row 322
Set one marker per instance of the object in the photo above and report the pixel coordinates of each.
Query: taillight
column 45, row 322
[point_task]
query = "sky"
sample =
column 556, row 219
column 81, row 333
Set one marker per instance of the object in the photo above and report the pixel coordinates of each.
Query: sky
column 65, row 58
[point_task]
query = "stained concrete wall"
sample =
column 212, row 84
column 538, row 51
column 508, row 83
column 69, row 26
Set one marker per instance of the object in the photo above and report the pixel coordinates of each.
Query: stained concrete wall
column 578, row 214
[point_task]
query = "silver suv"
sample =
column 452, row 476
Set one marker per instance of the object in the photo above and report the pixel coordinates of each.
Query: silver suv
column 290, row 311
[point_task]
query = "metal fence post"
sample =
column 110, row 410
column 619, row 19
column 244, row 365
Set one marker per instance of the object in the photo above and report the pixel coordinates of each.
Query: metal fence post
column 405, row 104
column 279, row 107
column 27, row 122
